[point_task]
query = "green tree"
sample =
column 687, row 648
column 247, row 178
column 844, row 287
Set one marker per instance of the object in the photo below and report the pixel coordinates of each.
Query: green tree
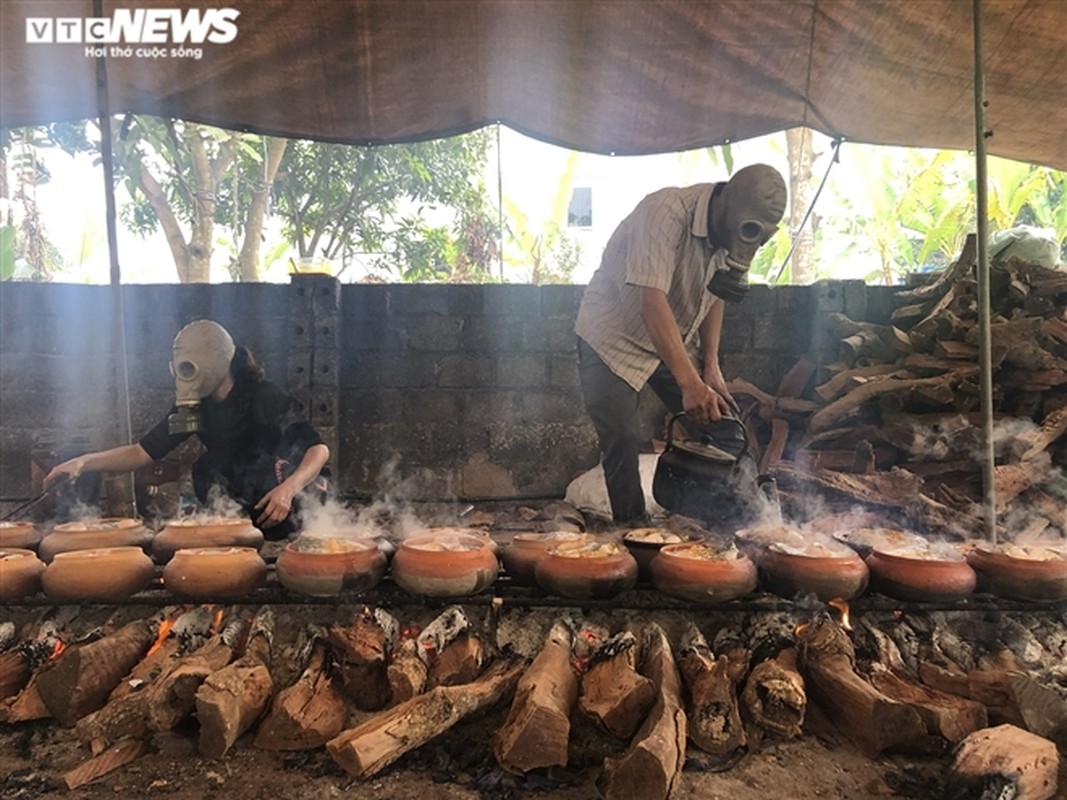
column 415, row 211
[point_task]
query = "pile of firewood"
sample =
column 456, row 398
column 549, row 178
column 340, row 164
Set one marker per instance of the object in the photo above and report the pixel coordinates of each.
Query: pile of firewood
column 369, row 691
column 895, row 423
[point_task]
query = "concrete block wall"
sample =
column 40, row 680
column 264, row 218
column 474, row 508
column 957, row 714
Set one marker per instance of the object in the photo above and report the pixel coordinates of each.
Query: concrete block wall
column 423, row 391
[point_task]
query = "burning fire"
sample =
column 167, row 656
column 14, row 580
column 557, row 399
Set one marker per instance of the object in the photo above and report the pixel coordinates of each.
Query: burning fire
column 57, row 650
column 842, row 606
column 586, row 644
column 164, row 630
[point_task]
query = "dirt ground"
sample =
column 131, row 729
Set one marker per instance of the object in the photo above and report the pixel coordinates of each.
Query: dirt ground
column 820, row 765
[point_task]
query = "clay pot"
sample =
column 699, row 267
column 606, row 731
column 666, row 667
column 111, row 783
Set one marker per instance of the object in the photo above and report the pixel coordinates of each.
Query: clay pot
column 1022, row 573
column 448, row 531
column 323, row 567
column 215, row 532
column 22, row 535
column 103, row 574
column 94, row 534
column 644, row 545
column 445, row 565
column 920, row 574
column 866, row 540
column 210, row 572
column 754, row 541
column 587, row 570
column 828, row 570
column 701, row 573
column 526, row 549
column 20, row 573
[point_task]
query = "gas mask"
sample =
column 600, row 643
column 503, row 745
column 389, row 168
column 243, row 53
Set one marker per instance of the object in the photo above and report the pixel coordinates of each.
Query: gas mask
column 748, row 212
column 202, row 354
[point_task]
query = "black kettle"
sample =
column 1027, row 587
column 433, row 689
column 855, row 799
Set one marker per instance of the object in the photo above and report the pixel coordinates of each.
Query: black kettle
column 714, row 479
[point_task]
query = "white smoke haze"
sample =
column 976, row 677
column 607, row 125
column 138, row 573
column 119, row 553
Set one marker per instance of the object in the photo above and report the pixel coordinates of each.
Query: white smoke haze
column 393, row 514
column 219, row 504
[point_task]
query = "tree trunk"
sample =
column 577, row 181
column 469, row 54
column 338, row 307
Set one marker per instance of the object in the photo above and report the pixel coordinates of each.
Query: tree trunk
column 248, row 258
column 801, row 159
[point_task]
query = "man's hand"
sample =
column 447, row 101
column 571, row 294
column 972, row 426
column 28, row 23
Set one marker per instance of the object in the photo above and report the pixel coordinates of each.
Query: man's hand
column 713, row 378
column 276, row 505
column 703, row 404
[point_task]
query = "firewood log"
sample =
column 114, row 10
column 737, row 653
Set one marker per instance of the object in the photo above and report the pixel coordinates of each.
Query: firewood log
column 774, row 697
column 230, row 700
column 406, row 672
column 18, row 664
column 875, row 722
column 172, row 697
column 653, row 762
column 1034, row 442
column 83, row 676
column 176, row 636
column 714, row 719
column 27, row 705
column 368, row 748
column 1004, row 761
column 116, row 756
column 964, row 263
column 362, row 651
column 462, row 660
column 307, row 714
column 613, row 692
column 852, row 402
column 947, row 715
column 537, row 729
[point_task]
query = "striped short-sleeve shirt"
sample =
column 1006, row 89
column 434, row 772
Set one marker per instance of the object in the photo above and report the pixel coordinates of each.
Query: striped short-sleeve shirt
column 663, row 244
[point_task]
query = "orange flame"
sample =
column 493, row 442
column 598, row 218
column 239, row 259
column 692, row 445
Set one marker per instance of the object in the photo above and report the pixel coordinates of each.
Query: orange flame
column 799, row 629
column 164, row 630
column 842, row 606
column 216, row 623
column 57, row 649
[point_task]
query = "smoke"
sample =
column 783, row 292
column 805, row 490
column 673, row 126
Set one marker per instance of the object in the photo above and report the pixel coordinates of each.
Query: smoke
column 393, row 513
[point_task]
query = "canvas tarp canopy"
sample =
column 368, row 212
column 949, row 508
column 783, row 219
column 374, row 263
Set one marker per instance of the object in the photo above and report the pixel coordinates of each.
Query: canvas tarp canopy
column 608, row 76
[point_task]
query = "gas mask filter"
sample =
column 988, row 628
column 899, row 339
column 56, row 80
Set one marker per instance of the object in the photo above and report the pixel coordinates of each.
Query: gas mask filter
column 203, row 351
column 750, row 207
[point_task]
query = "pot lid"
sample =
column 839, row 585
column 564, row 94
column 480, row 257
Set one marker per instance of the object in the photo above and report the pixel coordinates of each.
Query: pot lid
column 705, row 450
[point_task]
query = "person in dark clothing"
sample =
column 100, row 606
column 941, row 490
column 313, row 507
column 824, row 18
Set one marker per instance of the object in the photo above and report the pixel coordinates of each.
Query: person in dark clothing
column 258, row 450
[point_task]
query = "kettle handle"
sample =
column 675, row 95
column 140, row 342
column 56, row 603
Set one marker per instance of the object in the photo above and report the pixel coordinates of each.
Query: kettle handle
column 739, row 423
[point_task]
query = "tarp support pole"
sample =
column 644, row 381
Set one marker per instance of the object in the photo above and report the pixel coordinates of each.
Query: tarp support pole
column 118, row 330
column 985, row 339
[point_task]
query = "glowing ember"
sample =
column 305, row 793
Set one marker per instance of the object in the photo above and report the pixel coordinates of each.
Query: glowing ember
column 216, row 623
column 57, row 649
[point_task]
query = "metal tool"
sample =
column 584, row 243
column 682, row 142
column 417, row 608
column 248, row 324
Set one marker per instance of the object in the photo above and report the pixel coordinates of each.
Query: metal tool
column 33, row 502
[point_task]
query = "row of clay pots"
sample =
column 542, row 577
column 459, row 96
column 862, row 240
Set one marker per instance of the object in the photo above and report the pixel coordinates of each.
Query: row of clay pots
column 109, row 574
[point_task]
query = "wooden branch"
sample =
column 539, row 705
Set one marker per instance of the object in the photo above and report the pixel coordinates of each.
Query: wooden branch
column 947, row 278
column 828, row 416
column 652, row 764
column 849, row 379
column 897, row 488
column 774, row 697
column 537, row 729
column 368, row 748
column 947, row 715
column 875, row 722
column 1019, row 762
column 80, row 680
column 362, row 651
column 612, row 691
column 1035, row 441
column 231, row 699
column 714, row 719
column 406, row 673
column 172, row 697
column 116, row 756
column 307, row 714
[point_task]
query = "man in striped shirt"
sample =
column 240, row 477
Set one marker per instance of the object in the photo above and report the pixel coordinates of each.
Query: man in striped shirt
column 660, row 287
